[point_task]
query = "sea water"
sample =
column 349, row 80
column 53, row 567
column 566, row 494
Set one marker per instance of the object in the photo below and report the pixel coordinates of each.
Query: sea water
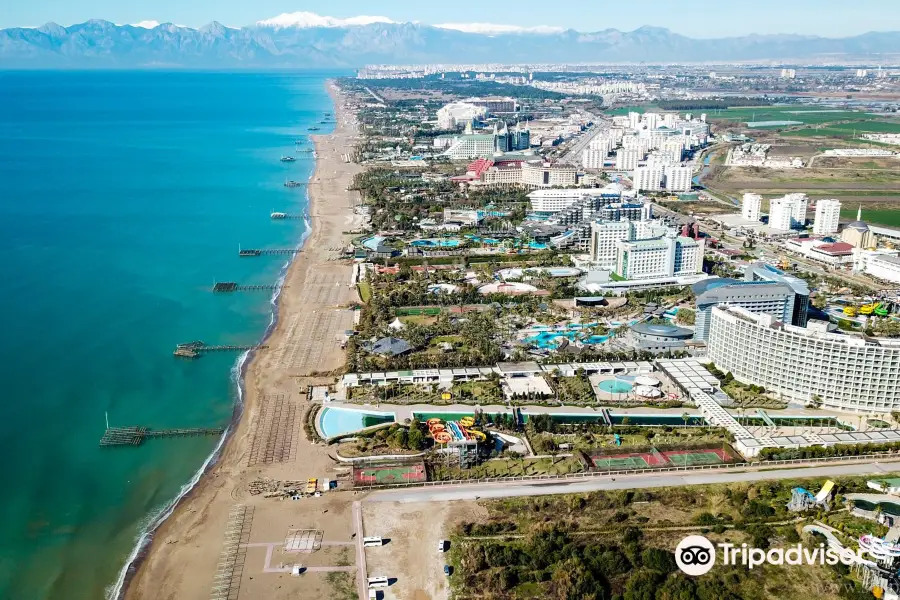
column 123, row 198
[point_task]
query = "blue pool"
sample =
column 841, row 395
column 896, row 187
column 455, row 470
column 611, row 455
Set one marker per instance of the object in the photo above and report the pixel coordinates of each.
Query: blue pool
column 436, row 243
column 537, row 246
column 481, row 240
column 550, row 338
column 373, row 242
column 338, row 421
column 615, row 386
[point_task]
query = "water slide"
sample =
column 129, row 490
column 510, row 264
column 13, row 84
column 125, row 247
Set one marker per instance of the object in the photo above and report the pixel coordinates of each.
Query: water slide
column 823, row 494
column 833, row 542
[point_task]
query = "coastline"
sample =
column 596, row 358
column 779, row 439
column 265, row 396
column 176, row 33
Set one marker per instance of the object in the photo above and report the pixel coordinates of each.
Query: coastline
column 184, row 540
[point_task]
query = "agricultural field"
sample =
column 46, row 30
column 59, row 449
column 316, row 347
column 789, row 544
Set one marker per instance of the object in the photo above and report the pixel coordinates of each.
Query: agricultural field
column 804, row 114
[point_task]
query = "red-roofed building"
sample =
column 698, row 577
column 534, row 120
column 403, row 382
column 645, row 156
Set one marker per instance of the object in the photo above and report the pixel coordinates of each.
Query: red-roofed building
column 836, row 254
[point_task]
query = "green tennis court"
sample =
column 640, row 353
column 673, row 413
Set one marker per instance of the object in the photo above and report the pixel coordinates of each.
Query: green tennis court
column 690, row 459
column 620, row 462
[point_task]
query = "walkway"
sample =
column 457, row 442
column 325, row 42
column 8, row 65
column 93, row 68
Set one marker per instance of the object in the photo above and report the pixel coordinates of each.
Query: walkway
column 477, row 491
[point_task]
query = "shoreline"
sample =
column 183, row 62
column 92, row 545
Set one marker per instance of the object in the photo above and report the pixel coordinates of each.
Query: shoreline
column 225, row 462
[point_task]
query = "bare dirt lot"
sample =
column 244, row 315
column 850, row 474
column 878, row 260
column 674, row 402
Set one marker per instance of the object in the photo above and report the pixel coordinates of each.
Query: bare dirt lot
column 411, row 556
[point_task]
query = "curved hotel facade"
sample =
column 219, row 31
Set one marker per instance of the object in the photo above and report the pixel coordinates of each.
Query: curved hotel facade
column 846, row 372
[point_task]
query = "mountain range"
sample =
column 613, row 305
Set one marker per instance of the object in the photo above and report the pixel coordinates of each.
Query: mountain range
column 306, row 40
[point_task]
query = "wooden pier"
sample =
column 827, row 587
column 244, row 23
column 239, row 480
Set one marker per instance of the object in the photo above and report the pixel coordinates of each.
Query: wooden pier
column 230, row 286
column 196, row 349
column 267, row 251
column 134, row 436
column 280, row 216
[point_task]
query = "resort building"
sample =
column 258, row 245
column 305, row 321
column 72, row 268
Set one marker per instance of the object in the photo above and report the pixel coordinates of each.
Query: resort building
column 760, row 271
column 451, row 116
column 828, row 213
column 606, row 235
column 472, row 145
column 759, row 297
column 803, row 364
column 662, row 257
column 883, row 265
column 545, row 174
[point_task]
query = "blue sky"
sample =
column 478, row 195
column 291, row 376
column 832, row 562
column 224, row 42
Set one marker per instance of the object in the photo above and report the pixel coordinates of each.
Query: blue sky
column 713, row 18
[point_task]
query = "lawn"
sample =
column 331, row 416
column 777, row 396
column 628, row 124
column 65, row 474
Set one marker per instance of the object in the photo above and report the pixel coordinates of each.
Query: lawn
column 365, row 291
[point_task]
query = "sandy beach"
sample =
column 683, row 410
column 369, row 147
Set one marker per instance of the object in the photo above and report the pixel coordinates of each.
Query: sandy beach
column 268, row 442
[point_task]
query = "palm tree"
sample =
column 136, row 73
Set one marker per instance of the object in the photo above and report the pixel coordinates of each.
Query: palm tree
column 685, row 417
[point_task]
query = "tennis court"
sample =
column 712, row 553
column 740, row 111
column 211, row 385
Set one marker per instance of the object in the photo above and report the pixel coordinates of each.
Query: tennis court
column 654, row 458
column 385, row 474
column 691, row 458
column 642, row 460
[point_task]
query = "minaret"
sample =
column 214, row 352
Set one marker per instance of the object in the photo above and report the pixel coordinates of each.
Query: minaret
column 859, row 213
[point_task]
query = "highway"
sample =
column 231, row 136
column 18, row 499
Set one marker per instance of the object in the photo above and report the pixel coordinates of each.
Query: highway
column 572, row 154
column 485, row 491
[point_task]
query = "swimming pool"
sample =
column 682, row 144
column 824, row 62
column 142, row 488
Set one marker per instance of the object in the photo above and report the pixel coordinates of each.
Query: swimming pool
column 537, row 246
column 436, row 243
column 373, row 242
column 481, row 240
column 339, row 421
column 615, row 386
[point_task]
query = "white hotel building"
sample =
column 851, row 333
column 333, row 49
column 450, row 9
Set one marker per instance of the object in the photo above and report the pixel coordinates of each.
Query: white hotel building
column 846, row 372
column 828, row 213
column 659, row 258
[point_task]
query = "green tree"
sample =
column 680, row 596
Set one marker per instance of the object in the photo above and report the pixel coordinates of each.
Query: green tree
column 686, row 316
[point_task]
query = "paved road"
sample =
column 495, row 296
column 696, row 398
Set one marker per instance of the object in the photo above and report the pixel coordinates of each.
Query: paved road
column 362, row 582
column 649, row 480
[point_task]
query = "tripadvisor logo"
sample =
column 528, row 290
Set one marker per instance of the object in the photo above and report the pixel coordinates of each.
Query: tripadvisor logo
column 695, row 555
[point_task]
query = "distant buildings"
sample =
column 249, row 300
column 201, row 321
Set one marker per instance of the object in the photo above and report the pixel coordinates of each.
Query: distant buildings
column 788, row 212
column 648, row 179
column 662, row 257
column 750, row 207
column 828, row 214
column 451, row 116
column 788, row 73
column 627, row 159
column 678, row 179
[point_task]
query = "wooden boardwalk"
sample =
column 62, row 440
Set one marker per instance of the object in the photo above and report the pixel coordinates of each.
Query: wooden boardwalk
column 246, row 252
column 134, row 436
column 231, row 286
column 196, row 349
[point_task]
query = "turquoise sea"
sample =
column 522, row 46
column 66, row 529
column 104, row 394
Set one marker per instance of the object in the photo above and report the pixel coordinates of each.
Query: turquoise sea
column 123, row 197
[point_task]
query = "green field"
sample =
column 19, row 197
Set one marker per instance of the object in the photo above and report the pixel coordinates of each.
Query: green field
column 786, row 113
column 848, row 129
column 888, row 218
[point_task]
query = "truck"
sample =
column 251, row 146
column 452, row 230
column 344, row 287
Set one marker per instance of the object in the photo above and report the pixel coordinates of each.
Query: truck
column 311, row 484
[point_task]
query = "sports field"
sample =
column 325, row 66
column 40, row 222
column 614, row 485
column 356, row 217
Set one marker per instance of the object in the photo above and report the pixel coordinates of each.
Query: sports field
column 386, row 474
column 649, row 460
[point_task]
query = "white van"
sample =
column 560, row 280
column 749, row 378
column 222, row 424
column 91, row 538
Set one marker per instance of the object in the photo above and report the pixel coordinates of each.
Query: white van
column 378, row 582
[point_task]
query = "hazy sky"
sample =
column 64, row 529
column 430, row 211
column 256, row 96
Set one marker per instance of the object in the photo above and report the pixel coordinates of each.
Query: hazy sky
column 713, row 18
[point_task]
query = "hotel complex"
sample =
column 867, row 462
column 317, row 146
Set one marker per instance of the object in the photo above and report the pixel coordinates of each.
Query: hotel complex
column 802, row 364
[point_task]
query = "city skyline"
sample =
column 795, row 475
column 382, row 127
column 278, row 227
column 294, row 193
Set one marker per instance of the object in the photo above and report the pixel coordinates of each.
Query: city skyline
column 826, row 18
